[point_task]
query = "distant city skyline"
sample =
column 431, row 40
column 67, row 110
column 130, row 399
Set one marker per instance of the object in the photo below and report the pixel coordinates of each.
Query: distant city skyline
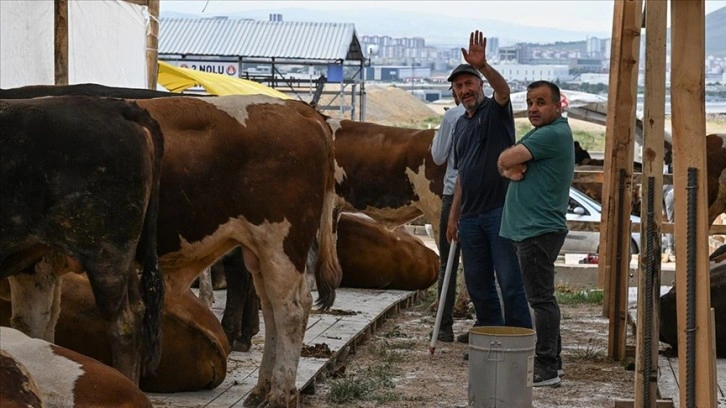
column 592, row 17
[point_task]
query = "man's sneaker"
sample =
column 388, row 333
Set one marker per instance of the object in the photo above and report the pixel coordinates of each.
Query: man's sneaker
column 446, row 336
column 544, row 377
column 463, row 338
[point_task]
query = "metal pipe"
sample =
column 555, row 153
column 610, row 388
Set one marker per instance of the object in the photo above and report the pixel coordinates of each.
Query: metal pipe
column 691, row 235
column 646, row 353
column 619, row 252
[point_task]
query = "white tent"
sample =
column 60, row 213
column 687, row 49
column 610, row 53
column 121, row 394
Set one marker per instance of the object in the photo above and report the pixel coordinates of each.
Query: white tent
column 106, row 43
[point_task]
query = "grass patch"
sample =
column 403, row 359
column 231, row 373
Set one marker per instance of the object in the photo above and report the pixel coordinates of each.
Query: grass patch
column 372, row 384
column 566, row 296
column 589, row 353
column 592, row 141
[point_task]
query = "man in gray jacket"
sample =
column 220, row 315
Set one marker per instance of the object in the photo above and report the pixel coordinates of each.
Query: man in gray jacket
column 442, row 151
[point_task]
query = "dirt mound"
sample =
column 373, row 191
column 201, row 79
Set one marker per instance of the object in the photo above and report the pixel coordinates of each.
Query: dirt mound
column 385, row 105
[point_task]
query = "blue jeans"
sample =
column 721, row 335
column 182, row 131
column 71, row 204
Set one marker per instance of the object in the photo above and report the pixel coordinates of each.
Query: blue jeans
column 484, row 254
column 447, row 319
column 537, row 256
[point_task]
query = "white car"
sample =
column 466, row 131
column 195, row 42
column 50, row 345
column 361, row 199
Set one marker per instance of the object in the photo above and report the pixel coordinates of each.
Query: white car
column 584, row 208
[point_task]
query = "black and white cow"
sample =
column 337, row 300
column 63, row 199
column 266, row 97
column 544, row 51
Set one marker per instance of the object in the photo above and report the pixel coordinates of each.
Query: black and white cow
column 79, row 177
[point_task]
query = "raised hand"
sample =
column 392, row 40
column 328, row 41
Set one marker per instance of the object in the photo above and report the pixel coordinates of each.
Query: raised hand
column 476, row 55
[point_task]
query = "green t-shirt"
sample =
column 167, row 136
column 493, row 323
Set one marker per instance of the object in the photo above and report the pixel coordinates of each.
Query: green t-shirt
column 538, row 204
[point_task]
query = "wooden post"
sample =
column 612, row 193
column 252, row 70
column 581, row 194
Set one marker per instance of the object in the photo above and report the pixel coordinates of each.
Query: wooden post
column 60, row 19
column 152, row 44
column 646, row 360
column 696, row 367
column 614, row 260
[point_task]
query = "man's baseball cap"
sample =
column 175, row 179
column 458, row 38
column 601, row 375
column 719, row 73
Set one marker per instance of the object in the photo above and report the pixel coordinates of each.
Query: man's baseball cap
column 464, row 69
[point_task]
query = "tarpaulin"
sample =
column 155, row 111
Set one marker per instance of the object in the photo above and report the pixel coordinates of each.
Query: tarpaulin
column 177, row 79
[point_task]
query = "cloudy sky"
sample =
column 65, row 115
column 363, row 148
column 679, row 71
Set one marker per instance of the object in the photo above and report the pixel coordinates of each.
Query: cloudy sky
column 588, row 15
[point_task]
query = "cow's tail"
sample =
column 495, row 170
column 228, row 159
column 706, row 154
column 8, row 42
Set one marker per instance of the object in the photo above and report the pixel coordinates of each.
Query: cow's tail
column 327, row 268
column 152, row 283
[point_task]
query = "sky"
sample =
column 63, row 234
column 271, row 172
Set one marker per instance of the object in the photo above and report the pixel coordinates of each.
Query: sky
column 583, row 15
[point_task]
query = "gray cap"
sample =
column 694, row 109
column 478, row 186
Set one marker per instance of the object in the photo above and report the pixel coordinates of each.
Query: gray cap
column 464, row 69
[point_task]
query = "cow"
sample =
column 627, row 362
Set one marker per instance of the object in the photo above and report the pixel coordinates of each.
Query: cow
column 57, row 377
column 388, row 173
column 668, row 312
column 373, row 257
column 255, row 172
column 36, row 91
column 716, row 175
column 17, row 387
column 79, row 177
column 271, row 163
column 187, row 325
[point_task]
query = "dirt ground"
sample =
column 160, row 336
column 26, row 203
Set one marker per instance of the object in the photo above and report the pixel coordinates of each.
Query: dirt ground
column 394, row 367
column 412, row 377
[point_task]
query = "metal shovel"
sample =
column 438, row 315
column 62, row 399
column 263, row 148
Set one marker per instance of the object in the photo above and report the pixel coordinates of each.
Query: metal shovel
column 442, row 296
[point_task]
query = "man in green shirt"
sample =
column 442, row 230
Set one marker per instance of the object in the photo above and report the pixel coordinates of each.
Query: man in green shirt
column 540, row 167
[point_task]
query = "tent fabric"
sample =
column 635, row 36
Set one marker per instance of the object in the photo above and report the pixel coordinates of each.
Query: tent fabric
column 177, row 79
column 106, row 43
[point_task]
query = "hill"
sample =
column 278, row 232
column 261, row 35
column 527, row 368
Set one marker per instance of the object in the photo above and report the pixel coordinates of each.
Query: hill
column 716, row 33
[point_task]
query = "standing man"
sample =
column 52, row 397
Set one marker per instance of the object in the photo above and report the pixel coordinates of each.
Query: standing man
column 540, row 167
column 442, row 152
column 482, row 134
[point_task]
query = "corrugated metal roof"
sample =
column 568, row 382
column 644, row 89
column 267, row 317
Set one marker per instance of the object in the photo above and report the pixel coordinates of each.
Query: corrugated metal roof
column 222, row 36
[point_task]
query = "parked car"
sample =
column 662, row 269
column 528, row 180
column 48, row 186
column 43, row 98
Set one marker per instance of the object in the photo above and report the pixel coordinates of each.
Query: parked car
column 584, row 208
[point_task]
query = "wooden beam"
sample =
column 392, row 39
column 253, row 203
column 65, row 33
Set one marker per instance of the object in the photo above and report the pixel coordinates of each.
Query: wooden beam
column 666, row 228
column 648, row 301
column 596, row 176
column 152, row 44
column 614, row 266
column 60, row 20
column 696, row 368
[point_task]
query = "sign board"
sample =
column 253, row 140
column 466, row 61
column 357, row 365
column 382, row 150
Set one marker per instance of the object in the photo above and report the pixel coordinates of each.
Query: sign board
column 230, row 68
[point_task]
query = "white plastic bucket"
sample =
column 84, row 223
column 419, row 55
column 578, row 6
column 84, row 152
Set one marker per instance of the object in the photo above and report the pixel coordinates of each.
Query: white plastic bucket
column 501, row 365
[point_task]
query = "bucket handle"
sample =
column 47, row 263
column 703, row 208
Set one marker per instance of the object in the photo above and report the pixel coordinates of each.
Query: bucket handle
column 495, row 351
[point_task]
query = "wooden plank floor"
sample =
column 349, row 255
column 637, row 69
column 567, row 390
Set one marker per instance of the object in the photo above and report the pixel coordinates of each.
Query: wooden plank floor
column 355, row 315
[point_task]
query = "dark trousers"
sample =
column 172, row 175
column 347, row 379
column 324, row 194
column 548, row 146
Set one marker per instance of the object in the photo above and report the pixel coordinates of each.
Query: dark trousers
column 490, row 260
column 537, row 256
column 447, row 320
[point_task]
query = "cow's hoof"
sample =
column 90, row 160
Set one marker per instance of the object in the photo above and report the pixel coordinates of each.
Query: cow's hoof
column 240, row 345
column 282, row 400
column 256, row 399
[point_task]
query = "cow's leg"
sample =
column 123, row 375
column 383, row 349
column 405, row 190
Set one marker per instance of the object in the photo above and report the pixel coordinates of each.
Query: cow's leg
column 35, row 300
column 241, row 318
column 206, row 291
column 286, row 302
column 116, row 290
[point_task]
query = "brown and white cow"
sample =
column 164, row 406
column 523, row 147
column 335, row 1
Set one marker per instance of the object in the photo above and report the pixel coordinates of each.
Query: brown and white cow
column 54, row 376
column 388, row 173
column 17, row 387
column 374, row 257
column 255, row 172
column 79, row 178
column 187, row 325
